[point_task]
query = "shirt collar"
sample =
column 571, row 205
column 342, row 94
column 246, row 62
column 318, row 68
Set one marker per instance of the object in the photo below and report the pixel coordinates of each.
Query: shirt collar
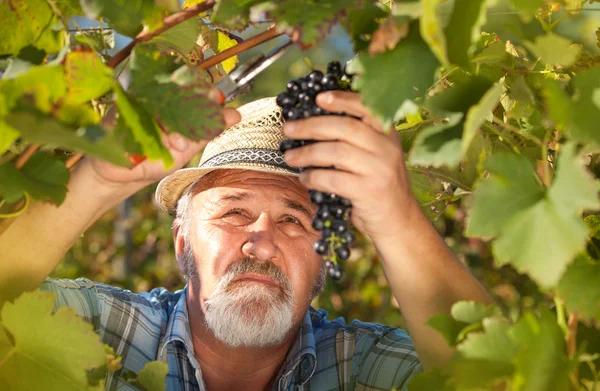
column 178, row 325
column 300, row 362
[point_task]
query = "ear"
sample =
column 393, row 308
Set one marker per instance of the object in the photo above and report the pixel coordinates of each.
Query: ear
column 179, row 242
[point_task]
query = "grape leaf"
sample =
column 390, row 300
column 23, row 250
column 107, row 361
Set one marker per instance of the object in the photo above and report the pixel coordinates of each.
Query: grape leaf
column 554, row 50
column 528, row 8
column 152, row 376
column 542, row 363
column 47, row 130
column 438, row 145
column 411, row 61
column 8, row 135
column 593, row 224
column 432, row 29
column 361, row 22
column 447, row 326
column 44, row 351
column 147, row 65
column 28, row 22
column 477, row 114
column 180, row 38
column 311, row 19
column 434, row 379
column 97, row 40
column 464, row 28
column 126, row 17
column 512, row 187
column 475, row 374
column 86, row 77
column 224, row 43
column 473, row 312
column 387, row 36
column 44, row 96
column 233, row 14
column 578, row 114
column 180, row 104
column 42, row 177
column 545, row 254
column 143, row 127
column 574, row 288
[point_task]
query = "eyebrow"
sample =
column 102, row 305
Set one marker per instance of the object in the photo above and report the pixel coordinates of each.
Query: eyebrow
column 289, row 203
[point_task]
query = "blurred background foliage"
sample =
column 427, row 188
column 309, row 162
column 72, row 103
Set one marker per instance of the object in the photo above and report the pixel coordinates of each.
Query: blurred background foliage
column 132, row 246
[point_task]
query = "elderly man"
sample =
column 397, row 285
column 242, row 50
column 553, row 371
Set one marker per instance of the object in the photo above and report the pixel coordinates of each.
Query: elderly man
column 243, row 239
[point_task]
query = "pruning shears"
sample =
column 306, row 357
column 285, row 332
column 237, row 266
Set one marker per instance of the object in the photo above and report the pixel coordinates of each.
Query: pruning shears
column 240, row 79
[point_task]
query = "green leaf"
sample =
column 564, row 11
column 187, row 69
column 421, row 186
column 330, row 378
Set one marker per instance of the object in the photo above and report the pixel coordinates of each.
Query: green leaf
column 512, row 187
column 438, row 145
column 361, row 22
column 233, row 14
column 473, row 311
column 574, row 288
column 86, row 77
column 47, row 130
column 460, row 97
column 447, row 326
column 126, row 17
column 476, row 374
column 148, row 65
column 29, row 22
column 542, row 363
column 432, row 29
column 312, row 19
column 410, row 61
column 8, row 135
column 152, row 376
column 492, row 344
column 44, row 178
column 97, row 40
column 528, row 8
column 143, row 127
column 44, row 351
column 434, row 379
column 593, row 223
column 44, row 96
column 180, row 38
column 555, row 50
column 181, row 104
column 464, row 29
column 540, row 241
column 479, row 113
column 583, row 112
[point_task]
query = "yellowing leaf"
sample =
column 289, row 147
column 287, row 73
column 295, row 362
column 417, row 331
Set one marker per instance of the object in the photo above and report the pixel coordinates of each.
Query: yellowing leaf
column 555, row 50
column 432, row 30
column 224, row 43
column 41, row 351
column 8, row 135
column 387, row 36
column 86, row 77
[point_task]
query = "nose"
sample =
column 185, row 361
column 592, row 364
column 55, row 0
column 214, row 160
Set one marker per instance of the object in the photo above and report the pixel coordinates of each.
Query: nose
column 260, row 243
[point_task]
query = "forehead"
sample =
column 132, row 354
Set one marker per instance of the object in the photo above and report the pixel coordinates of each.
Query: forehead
column 220, row 182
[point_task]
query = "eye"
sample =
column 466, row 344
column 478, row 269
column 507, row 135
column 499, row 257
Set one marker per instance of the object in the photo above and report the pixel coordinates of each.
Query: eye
column 291, row 219
column 233, row 212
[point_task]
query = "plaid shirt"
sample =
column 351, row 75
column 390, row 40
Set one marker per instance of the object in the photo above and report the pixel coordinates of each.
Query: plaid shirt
column 327, row 355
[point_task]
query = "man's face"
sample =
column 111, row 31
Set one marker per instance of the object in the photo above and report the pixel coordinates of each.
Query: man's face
column 252, row 237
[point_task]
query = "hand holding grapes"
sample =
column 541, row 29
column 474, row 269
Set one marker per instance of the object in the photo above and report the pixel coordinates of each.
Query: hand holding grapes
column 370, row 169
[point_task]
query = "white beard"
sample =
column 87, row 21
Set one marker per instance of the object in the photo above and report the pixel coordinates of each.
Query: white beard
column 250, row 314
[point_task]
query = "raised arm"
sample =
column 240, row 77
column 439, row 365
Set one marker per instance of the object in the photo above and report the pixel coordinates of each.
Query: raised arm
column 32, row 246
column 426, row 278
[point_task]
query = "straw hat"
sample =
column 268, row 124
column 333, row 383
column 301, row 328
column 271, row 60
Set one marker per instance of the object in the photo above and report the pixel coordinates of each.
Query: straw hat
column 251, row 144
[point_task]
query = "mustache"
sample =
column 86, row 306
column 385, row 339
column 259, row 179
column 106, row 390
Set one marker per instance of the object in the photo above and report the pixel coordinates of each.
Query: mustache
column 249, row 265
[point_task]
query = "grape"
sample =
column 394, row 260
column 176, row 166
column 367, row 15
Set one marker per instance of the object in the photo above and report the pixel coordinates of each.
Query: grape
column 333, row 212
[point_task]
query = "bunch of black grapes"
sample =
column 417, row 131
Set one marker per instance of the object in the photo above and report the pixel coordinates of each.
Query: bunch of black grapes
column 333, row 211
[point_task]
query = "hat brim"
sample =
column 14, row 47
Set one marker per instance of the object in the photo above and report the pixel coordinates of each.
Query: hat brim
column 171, row 188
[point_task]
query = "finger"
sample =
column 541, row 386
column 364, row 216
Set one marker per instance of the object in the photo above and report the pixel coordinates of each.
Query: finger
column 232, row 116
column 339, row 154
column 348, row 102
column 342, row 183
column 331, row 128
